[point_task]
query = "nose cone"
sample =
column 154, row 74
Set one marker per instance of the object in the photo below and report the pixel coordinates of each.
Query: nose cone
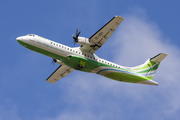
column 19, row 38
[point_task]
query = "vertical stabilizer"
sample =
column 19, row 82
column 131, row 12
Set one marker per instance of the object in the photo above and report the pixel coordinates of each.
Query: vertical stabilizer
column 148, row 69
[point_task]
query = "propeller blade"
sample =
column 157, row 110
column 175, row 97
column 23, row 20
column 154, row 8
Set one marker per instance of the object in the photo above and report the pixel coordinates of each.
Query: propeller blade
column 76, row 37
column 77, row 31
column 53, row 61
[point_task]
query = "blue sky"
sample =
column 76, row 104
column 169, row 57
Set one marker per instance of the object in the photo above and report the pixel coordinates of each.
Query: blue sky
column 148, row 29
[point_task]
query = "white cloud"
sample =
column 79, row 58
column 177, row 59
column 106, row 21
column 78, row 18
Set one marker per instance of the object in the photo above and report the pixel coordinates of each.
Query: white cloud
column 8, row 111
column 140, row 39
column 95, row 97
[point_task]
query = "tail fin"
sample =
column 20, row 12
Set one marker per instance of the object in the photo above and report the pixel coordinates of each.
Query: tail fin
column 148, row 69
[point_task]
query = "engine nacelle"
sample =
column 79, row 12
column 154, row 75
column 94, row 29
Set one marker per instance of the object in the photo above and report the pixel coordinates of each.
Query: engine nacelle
column 84, row 41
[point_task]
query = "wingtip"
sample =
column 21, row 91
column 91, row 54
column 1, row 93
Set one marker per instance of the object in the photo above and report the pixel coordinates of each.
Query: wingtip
column 117, row 16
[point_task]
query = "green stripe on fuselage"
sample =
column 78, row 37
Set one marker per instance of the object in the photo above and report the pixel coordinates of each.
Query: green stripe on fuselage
column 125, row 77
column 72, row 61
column 146, row 66
column 41, row 51
column 88, row 64
column 150, row 69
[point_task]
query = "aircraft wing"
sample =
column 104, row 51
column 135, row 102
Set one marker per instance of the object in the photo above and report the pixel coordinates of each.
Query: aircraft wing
column 59, row 73
column 100, row 37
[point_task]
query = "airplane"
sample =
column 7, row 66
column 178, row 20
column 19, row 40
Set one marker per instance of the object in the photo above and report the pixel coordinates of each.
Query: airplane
column 84, row 59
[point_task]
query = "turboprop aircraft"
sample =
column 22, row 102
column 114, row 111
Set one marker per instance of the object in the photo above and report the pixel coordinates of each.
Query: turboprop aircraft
column 83, row 58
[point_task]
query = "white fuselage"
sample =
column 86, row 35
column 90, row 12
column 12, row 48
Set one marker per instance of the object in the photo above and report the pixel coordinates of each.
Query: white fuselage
column 61, row 50
column 76, row 58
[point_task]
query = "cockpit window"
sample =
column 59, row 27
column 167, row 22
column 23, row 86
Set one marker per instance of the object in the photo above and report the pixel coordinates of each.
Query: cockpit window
column 30, row 35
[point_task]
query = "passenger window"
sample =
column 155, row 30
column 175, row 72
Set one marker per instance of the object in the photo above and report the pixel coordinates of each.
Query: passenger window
column 67, row 48
column 59, row 45
column 70, row 49
column 73, row 50
column 56, row 44
column 62, row 46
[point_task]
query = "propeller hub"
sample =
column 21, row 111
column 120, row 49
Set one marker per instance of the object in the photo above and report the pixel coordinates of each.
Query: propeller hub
column 53, row 61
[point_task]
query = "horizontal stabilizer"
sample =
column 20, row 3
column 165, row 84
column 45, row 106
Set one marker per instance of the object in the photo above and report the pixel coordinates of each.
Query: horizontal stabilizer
column 158, row 58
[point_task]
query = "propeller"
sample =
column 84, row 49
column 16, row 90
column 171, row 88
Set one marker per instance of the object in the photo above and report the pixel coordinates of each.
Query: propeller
column 53, row 61
column 76, row 37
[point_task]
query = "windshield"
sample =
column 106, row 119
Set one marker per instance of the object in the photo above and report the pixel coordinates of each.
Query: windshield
column 30, row 35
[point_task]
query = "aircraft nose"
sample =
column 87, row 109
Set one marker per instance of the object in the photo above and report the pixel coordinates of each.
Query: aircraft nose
column 19, row 38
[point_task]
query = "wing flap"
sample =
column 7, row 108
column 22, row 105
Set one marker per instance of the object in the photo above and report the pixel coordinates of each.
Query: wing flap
column 59, row 73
